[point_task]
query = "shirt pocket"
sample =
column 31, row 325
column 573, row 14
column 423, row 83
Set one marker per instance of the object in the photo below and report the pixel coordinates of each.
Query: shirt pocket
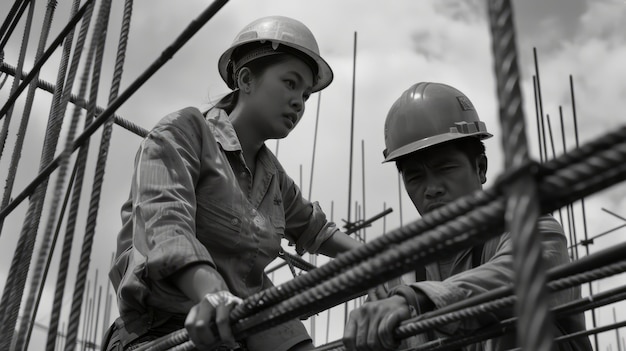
column 218, row 227
column 277, row 215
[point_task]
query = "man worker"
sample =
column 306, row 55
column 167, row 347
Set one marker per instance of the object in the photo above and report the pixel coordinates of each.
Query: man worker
column 434, row 135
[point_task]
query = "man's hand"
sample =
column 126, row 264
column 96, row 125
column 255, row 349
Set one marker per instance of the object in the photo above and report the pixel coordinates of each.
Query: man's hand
column 370, row 327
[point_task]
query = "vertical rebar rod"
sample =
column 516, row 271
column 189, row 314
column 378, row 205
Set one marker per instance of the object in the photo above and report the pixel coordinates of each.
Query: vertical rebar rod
column 97, row 319
column 535, row 321
column 317, row 118
column 363, row 214
column 79, row 285
column 582, row 200
column 80, row 162
column 53, row 131
column 538, row 118
column 16, row 280
column 540, row 99
column 550, row 134
column 568, row 207
column 6, row 197
column 400, row 197
column 83, row 315
column 276, row 151
column 351, row 130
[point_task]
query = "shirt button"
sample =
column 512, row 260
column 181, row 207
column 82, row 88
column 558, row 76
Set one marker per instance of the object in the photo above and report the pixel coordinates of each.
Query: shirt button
column 253, row 211
column 242, row 174
column 234, row 221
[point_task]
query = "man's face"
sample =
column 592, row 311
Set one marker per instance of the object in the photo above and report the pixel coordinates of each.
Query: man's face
column 439, row 175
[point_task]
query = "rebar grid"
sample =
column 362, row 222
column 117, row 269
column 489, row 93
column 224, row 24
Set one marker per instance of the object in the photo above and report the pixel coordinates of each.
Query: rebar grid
column 599, row 171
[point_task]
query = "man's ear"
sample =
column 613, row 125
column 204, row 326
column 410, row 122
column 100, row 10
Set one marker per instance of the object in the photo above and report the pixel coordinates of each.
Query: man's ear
column 244, row 80
column 481, row 167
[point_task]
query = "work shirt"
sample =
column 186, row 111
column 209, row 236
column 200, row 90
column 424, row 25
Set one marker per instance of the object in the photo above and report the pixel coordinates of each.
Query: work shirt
column 454, row 279
column 194, row 200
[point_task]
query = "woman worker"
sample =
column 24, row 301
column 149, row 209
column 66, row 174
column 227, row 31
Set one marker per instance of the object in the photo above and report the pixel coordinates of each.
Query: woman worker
column 209, row 203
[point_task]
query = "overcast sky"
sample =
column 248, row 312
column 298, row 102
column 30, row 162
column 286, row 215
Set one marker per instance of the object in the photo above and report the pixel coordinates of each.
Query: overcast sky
column 400, row 42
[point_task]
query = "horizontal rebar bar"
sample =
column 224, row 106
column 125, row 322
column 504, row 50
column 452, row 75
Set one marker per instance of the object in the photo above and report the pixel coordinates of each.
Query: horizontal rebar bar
column 82, row 103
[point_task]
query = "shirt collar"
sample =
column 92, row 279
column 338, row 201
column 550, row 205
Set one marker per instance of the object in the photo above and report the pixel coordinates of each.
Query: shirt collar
column 226, row 136
column 223, row 129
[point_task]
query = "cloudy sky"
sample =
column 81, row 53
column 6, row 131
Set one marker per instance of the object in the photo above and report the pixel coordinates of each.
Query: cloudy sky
column 400, row 42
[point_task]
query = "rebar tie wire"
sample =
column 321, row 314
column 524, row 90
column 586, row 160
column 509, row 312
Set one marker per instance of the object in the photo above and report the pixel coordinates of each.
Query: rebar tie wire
column 599, row 171
column 167, row 54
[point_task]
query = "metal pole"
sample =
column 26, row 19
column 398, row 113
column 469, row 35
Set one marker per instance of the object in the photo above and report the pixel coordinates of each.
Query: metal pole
column 351, row 131
column 400, row 197
column 582, row 200
column 540, row 99
column 538, row 117
column 317, row 118
column 363, row 183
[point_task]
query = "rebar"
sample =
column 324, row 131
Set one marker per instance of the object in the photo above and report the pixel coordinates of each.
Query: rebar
column 16, row 280
column 193, row 28
column 43, row 58
column 80, row 102
column 522, row 211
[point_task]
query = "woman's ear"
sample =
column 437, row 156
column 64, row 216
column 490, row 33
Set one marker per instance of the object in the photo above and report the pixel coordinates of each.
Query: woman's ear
column 244, row 80
column 481, row 167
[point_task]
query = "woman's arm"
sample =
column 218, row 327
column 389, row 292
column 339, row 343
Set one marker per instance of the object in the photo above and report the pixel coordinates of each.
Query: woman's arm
column 338, row 243
column 198, row 280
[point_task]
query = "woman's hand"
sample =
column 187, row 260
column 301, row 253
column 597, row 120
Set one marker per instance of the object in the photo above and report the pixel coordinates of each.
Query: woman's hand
column 208, row 322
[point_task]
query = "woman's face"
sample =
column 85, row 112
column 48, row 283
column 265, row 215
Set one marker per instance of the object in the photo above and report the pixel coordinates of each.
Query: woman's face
column 278, row 95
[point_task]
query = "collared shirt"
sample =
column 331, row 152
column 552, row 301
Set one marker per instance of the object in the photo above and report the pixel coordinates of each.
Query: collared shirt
column 456, row 280
column 193, row 199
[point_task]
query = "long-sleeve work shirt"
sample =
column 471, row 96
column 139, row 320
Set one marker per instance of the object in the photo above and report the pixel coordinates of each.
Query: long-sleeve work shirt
column 453, row 279
column 194, row 200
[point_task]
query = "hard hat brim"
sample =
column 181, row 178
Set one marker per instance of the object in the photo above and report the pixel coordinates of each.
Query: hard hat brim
column 431, row 141
column 324, row 72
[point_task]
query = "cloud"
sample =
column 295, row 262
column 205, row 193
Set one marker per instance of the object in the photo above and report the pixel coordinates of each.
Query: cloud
column 399, row 44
